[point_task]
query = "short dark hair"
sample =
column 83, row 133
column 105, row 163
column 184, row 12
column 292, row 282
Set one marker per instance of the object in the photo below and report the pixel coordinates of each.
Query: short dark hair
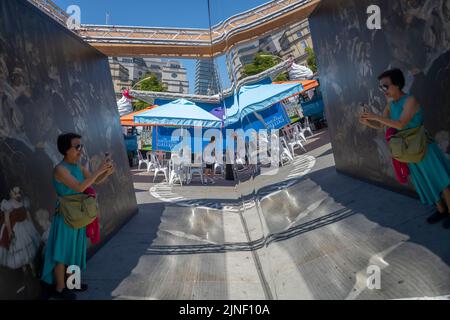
column 213, row 138
column 64, row 142
column 396, row 76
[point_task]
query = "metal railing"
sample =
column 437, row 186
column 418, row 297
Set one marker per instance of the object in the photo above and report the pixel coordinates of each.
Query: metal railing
column 52, row 10
column 180, row 37
column 186, row 36
column 147, row 96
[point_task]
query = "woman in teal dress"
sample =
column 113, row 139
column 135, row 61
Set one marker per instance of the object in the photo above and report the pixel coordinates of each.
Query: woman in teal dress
column 431, row 176
column 66, row 246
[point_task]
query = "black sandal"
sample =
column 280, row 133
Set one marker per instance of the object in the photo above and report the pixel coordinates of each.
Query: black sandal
column 446, row 223
column 83, row 288
column 437, row 217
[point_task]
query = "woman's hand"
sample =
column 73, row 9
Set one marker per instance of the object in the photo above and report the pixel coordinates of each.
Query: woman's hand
column 369, row 116
column 104, row 167
column 105, row 174
column 367, row 123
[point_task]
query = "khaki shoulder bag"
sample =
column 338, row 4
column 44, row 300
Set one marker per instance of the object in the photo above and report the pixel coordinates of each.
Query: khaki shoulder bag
column 78, row 210
column 410, row 145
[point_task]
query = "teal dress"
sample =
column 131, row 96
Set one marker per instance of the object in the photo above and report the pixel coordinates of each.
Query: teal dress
column 65, row 244
column 432, row 175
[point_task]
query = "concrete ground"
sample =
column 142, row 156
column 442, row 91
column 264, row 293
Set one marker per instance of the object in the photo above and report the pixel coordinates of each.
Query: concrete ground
column 311, row 233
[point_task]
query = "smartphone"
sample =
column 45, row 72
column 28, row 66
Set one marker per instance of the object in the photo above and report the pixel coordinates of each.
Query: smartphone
column 363, row 107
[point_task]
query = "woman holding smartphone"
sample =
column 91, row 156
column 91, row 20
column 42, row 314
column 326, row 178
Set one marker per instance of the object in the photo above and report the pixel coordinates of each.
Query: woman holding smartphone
column 431, row 176
column 66, row 245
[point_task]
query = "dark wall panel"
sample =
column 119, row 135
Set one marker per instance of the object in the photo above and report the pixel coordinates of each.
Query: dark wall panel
column 52, row 82
column 415, row 37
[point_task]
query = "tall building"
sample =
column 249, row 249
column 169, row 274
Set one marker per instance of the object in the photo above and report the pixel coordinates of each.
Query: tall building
column 206, row 77
column 170, row 72
column 120, row 76
column 245, row 53
column 295, row 40
column 137, row 67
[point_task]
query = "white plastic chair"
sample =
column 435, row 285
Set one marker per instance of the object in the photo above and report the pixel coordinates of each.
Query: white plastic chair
column 176, row 172
column 293, row 145
column 219, row 166
column 143, row 160
column 197, row 169
column 299, row 132
column 285, row 153
column 307, row 126
column 159, row 168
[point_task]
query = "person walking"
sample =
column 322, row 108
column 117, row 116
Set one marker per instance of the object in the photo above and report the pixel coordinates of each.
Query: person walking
column 210, row 160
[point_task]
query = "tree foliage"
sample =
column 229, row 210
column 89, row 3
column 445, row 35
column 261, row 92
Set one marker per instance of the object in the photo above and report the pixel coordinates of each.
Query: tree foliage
column 150, row 83
column 311, row 60
column 261, row 62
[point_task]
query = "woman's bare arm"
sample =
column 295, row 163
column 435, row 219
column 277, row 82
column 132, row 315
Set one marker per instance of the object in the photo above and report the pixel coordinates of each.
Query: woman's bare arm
column 376, row 125
column 409, row 110
column 102, row 178
column 64, row 176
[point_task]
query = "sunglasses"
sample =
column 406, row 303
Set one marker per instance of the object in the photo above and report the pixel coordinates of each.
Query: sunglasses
column 78, row 147
column 383, row 87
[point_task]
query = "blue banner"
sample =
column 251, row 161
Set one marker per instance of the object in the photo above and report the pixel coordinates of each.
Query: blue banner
column 162, row 138
column 274, row 117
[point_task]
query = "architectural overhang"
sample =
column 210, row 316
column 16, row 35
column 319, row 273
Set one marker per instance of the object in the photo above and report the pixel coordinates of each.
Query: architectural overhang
column 197, row 43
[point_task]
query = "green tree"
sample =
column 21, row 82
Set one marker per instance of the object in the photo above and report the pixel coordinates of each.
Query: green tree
column 311, row 60
column 150, row 82
column 261, row 62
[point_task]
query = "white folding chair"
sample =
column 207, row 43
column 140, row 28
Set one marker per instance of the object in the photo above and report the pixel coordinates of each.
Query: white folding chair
column 196, row 168
column 143, row 160
column 176, row 170
column 285, row 153
column 299, row 132
column 307, row 126
column 159, row 168
column 293, row 145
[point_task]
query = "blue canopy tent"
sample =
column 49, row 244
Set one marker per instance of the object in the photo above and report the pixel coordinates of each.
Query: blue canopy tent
column 255, row 98
column 180, row 113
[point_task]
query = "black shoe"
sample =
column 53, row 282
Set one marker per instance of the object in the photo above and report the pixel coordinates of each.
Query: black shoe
column 65, row 294
column 83, row 288
column 437, row 217
column 447, row 223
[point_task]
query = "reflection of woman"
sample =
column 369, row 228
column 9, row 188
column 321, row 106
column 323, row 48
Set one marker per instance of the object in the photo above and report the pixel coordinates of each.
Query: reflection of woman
column 66, row 245
column 431, row 176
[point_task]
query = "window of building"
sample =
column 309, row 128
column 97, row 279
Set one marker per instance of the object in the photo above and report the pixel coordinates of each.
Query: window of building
column 284, row 45
column 304, row 44
column 174, row 75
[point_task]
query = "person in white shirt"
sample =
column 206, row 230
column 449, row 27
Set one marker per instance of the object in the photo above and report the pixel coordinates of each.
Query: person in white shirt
column 210, row 160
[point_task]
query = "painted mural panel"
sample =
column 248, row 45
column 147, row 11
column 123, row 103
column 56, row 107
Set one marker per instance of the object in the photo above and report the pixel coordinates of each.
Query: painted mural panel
column 50, row 82
column 415, row 37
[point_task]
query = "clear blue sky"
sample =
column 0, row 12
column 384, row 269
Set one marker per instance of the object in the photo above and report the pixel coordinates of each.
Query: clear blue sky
column 162, row 13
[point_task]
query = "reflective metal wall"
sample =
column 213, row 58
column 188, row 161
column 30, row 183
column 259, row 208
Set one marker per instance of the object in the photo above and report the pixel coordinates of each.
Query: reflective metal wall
column 415, row 37
column 50, row 82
